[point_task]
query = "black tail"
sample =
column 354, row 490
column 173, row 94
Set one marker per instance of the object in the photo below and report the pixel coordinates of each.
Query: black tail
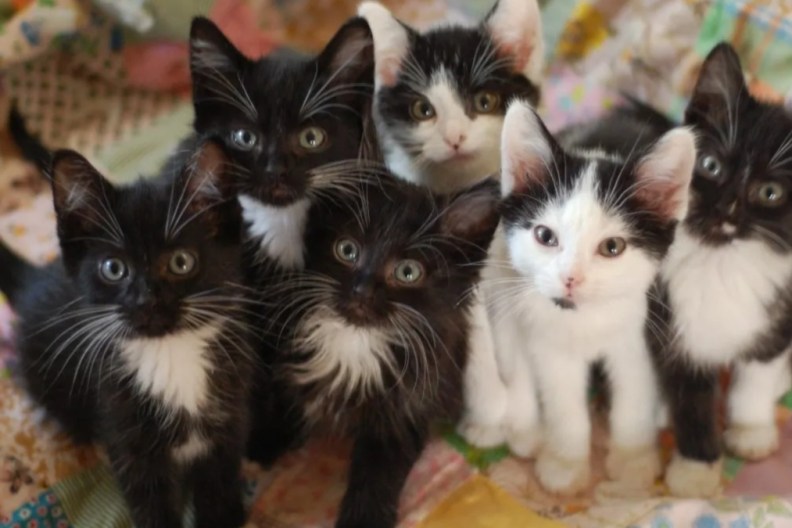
column 32, row 148
column 14, row 271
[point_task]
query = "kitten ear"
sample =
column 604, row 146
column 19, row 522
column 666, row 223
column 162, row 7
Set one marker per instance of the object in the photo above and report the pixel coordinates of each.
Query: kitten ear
column 391, row 42
column 210, row 49
column 527, row 149
column 472, row 214
column 349, row 56
column 720, row 81
column 81, row 196
column 205, row 179
column 663, row 175
column 516, row 28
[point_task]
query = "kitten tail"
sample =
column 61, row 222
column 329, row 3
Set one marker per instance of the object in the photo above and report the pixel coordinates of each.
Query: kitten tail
column 30, row 146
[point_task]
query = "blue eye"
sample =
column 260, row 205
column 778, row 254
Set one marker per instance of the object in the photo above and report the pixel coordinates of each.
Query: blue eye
column 113, row 269
column 244, row 139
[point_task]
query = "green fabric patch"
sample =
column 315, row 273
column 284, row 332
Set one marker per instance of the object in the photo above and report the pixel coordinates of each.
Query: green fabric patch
column 479, row 458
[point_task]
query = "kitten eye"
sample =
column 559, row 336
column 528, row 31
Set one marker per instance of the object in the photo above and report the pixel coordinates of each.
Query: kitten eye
column 182, row 262
column 768, row 194
column 422, row 110
column 312, row 138
column 347, row 250
column 244, row 139
column 486, row 102
column 408, row 271
column 113, row 269
column 545, row 236
column 612, row 247
column 710, row 167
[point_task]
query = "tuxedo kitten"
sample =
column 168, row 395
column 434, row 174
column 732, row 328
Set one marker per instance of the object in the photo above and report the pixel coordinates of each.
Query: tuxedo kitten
column 134, row 338
column 441, row 95
column 581, row 241
column 294, row 125
column 727, row 282
column 377, row 326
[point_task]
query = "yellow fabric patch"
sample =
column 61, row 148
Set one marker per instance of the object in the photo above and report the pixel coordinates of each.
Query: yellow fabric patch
column 585, row 30
column 480, row 503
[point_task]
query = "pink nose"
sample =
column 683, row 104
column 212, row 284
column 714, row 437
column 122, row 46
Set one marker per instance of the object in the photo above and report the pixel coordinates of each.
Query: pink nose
column 572, row 282
column 455, row 143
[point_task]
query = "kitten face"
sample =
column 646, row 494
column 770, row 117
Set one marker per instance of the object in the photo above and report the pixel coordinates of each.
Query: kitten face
column 149, row 269
column 588, row 227
column 441, row 95
column 284, row 116
column 742, row 182
column 400, row 252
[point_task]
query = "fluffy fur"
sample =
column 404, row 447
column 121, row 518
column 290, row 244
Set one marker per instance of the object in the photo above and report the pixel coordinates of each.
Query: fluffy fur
column 375, row 329
column 452, row 70
column 136, row 339
column 294, row 126
column 560, row 301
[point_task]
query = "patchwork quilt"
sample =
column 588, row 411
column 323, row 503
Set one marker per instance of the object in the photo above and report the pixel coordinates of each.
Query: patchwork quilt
column 110, row 79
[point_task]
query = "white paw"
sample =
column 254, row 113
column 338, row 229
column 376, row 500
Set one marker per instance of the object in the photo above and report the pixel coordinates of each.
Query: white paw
column 562, row 475
column 523, row 442
column 481, row 435
column 751, row 442
column 637, row 466
column 692, row 478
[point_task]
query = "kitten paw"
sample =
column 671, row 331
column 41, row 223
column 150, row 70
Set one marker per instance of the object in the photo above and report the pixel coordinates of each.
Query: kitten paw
column 752, row 442
column 636, row 466
column 524, row 442
column 692, row 478
column 480, row 434
column 562, row 475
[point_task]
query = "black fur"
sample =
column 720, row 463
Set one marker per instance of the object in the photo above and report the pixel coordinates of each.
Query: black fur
column 30, row 146
column 390, row 221
column 71, row 353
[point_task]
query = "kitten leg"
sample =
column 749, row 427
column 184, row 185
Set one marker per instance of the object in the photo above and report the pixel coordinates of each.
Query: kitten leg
column 695, row 470
column 485, row 394
column 752, row 433
column 150, row 486
column 379, row 467
column 633, row 457
column 523, row 424
column 563, row 463
column 217, row 488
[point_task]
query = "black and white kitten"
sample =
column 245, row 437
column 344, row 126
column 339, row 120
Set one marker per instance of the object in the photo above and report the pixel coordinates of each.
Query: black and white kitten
column 441, row 95
column 294, row 125
column 133, row 339
column 727, row 281
column 377, row 327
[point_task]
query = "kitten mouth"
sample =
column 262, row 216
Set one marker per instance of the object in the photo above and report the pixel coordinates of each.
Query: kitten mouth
column 564, row 303
column 278, row 194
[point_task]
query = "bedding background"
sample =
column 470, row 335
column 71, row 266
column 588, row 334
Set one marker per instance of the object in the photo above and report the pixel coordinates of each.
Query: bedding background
column 111, row 79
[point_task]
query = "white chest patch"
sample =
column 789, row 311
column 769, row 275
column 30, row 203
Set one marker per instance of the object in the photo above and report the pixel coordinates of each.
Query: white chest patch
column 174, row 369
column 719, row 296
column 278, row 230
column 195, row 446
column 349, row 357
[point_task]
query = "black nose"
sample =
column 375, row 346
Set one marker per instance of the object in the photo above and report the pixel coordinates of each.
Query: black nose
column 363, row 289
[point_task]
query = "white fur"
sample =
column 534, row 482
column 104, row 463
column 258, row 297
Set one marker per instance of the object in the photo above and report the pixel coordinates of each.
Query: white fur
column 439, row 166
column 194, row 447
column 524, row 148
column 345, row 358
column 175, row 369
column 719, row 295
column 391, row 43
column 517, row 24
column 279, row 230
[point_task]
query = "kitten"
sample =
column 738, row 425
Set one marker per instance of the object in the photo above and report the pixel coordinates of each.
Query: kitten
column 726, row 288
column 441, row 95
column 377, row 326
column 294, row 125
column 582, row 238
column 134, row 338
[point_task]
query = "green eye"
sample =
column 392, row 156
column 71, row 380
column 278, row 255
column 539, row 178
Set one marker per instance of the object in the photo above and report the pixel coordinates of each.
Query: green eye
column 312, row 138
column 113, row 269
column 768, row 194
column 486, row 102
column 182, row 262
column 422, row 110
column 347, row 250
column 612, row 247
column 408, row 271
